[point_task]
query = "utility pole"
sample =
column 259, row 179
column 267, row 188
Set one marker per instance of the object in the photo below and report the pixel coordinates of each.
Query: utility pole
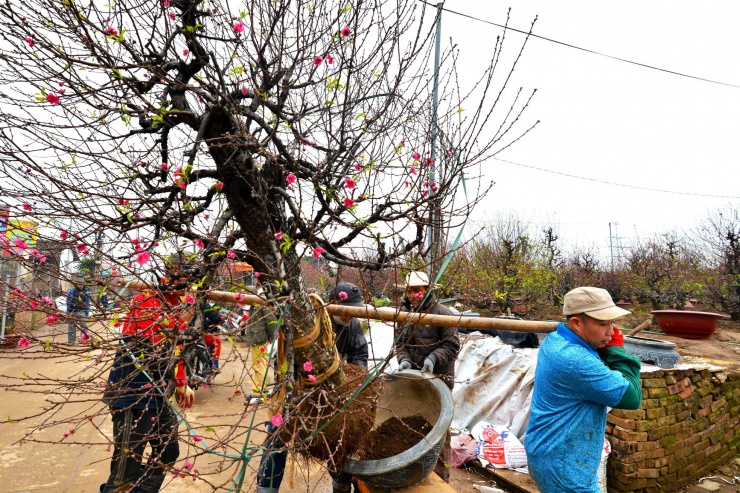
column 435, row 216
column 614, row 245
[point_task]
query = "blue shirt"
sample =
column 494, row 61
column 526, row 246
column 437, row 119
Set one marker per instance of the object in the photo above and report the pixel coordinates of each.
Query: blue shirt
column 565, row 436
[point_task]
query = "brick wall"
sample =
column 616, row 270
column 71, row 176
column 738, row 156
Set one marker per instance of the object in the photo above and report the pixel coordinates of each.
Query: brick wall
column 688, row 425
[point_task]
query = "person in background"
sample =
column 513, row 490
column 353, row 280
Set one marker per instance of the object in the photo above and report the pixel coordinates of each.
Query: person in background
column 432, row 349
column 350, row 340
column 260, row 332
column 582, row 369
column 78, row 309
column 137, row 393
column 212, row 322
column 352, row 348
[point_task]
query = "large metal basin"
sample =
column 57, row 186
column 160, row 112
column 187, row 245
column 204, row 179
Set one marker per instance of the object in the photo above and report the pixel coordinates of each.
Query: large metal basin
column 408, row 393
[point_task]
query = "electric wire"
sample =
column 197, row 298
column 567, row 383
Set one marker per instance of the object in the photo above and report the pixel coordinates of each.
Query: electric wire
column 606, row 182
column 587, row 50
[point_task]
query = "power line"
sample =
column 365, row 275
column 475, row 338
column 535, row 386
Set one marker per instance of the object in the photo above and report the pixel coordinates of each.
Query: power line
column 606, row 182
column 594, row 52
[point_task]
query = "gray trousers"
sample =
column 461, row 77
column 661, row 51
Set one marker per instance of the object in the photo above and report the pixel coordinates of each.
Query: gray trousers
column 75, row 319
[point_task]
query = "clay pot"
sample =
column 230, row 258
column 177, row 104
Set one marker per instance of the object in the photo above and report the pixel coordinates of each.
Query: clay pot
column 408, row 393
column 687, row 324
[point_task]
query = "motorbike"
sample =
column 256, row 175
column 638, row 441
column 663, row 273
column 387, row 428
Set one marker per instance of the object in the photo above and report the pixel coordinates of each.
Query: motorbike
column 200, row 368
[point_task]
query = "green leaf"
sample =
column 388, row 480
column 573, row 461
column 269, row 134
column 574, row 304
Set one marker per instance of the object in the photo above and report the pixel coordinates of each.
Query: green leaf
column 10, row 420
column 210, row 429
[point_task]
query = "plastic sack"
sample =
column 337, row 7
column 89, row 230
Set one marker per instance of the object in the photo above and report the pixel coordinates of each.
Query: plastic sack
column 498, row 446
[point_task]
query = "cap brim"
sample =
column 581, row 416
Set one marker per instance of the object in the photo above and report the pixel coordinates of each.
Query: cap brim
column 609, row 313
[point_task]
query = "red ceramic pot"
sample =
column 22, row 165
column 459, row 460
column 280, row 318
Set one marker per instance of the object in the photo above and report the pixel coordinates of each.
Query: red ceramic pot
column 687, row 324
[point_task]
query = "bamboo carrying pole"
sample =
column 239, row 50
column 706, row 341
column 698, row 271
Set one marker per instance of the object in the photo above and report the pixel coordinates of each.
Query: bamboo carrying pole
column 385, row 314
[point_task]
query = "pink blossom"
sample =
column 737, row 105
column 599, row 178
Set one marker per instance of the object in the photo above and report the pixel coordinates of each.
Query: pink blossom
column 244, row 90
column 342, row 295
column 23, row 342
column 27, row 207
column 345, row 31
column 51, row 319
column 34, row 305
column 290, row 178
column 187, row 465
column 413, row 170
column 62, row 90
column 263, row 349
column 143, row 258
column 29, row 41
column 435, row 186
column 83, row 339
column 312, row 379
column 196, row 438
column 257, row 275
column 52, row 99
column 198, row 243
column 318, row 60
column 428, row 162
column 164, row 166
column 47, row 300
column 189, row 299
column 277, row 420
column 185, row 52
column 238, row 27
column 230, row 254
column 416, row 156
column 238, row 296
column 317, row 252
column 172, row 15
column 63, row 235
column 348, row 202
column 418, row 295
column 349, row 183
column 358, row 167
column 307, row 366
column 111, row 31
column 279, row 236
column 166, row 3
column 20, row 243
column 147, row 386
column 329, row 59
column 219, row 186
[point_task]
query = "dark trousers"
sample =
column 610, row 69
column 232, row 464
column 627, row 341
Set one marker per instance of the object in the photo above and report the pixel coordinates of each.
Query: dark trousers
column 272, row 465
column 133, row 429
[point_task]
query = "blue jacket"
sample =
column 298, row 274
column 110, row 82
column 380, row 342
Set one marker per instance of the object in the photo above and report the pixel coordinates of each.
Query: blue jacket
column 572, row 389
column 78, row 300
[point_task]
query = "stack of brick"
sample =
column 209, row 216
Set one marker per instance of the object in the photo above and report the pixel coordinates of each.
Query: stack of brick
column 688, row 425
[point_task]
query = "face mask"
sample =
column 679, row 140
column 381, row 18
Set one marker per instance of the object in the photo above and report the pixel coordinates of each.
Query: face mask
column 338, row 320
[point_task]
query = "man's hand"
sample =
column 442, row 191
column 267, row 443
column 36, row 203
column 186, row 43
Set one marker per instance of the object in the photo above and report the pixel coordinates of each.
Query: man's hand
column 428, row 365
column 404, row 365
column 617, row 339
column 185, row 396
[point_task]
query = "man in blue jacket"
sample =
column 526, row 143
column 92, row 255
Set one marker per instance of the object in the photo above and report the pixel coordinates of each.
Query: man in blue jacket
column 582, row 369
column 78, row 308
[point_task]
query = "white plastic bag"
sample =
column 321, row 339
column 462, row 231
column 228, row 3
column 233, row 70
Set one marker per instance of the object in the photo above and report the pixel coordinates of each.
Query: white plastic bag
column 498, row 446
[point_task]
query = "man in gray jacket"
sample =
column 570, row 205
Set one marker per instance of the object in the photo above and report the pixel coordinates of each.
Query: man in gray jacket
column 430, row 348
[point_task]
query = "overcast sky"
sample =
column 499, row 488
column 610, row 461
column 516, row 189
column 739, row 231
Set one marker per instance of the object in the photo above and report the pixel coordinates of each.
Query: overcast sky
column 613, row 121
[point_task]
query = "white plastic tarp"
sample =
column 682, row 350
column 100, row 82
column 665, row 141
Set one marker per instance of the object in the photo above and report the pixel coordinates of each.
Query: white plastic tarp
column 380, row 344
column 493, row 383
